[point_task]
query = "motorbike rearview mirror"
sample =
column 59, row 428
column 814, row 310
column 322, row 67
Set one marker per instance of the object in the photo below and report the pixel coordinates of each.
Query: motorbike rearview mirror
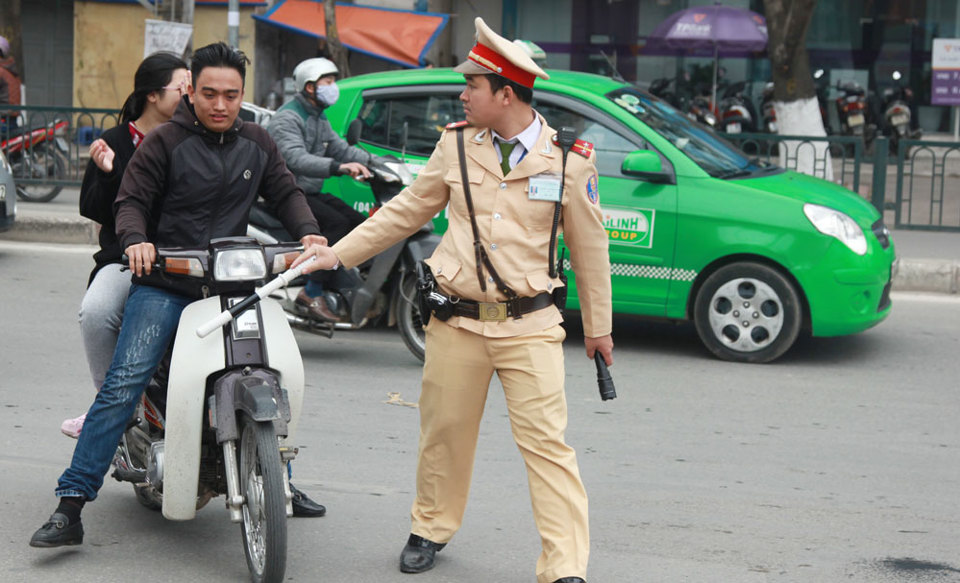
column 646, row 166
column 353, row 132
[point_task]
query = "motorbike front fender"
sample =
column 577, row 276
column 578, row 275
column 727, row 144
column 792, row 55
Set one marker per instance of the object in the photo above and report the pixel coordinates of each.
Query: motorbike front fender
column 194, row 360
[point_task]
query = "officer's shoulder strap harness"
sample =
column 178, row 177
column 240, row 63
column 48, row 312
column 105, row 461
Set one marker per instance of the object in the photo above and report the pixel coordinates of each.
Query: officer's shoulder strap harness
column 515, row 306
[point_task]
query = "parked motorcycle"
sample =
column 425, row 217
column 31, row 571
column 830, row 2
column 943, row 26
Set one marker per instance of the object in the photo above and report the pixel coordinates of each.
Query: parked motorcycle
column 701, row 110
column 768, row 112
column 895, row 104
column 851, row 107
column 662, row 88
column 736, row 112
column 230, row 404
column 384, row 287
column 40, row 154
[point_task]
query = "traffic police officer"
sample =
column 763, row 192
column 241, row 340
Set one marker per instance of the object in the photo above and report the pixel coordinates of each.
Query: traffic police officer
column 514, row 167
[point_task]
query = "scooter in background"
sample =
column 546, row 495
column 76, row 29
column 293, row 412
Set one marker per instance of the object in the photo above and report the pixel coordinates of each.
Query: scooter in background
column 896, row 120
column 736, row 112
column 385, row 286
column 851, row 107
column 40, row 154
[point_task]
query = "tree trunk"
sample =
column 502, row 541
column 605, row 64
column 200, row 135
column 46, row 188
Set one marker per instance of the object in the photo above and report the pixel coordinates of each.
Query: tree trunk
column 10, row 29
column 795, row 97
column 337, row 53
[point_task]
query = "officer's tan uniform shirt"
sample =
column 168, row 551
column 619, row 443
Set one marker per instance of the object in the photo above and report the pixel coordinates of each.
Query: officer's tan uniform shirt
column 514, row 230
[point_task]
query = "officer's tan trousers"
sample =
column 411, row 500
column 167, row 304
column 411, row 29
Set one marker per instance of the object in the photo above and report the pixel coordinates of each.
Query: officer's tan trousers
column 457, row 372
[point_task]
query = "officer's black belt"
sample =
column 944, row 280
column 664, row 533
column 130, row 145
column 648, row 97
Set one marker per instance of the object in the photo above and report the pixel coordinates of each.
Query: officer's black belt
column 499, row 311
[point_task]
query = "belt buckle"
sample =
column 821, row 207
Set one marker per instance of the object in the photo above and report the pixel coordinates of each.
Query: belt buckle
column 492, row 312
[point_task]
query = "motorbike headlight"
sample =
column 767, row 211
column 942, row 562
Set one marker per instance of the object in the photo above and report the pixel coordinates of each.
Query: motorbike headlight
column 239, row 265
column 837, row 224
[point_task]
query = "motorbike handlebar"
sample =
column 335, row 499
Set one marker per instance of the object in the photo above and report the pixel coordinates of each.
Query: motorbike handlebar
column 229, row 314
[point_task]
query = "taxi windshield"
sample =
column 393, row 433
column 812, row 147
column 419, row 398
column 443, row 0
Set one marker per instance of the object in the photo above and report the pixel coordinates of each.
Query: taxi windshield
column 716, row 156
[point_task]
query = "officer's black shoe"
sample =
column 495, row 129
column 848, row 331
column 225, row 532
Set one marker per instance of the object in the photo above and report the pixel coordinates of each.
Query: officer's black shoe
column 303, row 506
column 419, row 555
column 570, row 580
column 58, row 532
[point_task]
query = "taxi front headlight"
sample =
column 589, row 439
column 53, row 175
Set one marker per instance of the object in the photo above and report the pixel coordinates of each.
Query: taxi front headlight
column 239, row 265
column 837, row 224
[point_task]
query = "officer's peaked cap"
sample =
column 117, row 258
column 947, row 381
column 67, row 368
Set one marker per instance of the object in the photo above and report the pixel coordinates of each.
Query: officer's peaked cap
column 495, row 54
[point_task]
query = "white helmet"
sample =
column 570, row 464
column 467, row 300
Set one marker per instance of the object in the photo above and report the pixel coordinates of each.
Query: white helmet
column 312, row 69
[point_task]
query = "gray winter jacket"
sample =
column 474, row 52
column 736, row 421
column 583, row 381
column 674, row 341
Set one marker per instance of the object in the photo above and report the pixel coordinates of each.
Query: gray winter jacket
column 309, row 146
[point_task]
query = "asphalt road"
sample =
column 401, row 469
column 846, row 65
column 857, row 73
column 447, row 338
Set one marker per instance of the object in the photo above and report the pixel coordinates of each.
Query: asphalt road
column 840, row 462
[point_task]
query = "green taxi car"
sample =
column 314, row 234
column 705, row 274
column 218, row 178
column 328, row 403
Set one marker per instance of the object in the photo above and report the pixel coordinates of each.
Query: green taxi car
column 752, row 253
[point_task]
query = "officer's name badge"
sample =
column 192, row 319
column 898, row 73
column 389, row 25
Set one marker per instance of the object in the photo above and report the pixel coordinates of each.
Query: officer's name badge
column 544, row 187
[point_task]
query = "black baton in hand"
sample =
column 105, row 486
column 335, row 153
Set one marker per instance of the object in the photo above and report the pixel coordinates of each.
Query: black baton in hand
column 604, row 380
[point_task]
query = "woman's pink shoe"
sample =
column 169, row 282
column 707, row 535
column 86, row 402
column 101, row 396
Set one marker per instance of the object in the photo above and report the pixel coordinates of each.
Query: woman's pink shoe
column 72, row 427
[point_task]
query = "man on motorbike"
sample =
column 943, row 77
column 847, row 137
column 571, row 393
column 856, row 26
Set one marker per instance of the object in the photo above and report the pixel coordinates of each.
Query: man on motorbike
column 191, row 180
column 313, row 152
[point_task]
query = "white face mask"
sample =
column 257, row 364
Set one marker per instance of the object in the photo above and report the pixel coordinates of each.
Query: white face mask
column 327, row 94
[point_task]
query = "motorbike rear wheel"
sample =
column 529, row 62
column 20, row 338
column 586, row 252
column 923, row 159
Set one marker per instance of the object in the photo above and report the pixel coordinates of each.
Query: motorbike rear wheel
column 264, row 524
column 40, row 162
column 409, row 320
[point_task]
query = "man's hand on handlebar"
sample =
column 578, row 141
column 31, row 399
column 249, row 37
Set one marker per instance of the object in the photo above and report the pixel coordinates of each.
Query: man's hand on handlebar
column 142, row 256
column 356, row 170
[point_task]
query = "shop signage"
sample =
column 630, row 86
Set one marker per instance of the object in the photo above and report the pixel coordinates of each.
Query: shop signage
column 945, row 88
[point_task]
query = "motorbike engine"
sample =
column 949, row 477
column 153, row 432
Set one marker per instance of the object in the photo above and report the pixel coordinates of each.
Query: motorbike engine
column 155, row 465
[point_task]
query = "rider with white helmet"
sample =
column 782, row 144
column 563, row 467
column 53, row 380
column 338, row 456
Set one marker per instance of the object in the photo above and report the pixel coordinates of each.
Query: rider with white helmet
column 314, row 152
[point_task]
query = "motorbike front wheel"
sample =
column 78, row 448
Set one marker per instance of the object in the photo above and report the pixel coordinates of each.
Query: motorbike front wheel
column 409, row 320
column 264, row 524
column 40, row 162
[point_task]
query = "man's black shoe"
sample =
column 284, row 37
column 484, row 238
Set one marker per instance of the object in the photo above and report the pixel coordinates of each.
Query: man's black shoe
column 58, row 532
column 303, row 506
column 419, row 555
column 570, row 580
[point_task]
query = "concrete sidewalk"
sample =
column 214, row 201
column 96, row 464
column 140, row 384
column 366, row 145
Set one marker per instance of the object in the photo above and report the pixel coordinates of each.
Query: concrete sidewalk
column 926, row 261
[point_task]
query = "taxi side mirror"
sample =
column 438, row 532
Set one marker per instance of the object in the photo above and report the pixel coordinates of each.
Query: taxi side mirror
column 646, row 165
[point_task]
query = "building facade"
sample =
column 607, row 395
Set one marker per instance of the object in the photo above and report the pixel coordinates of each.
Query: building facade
column 84, row 52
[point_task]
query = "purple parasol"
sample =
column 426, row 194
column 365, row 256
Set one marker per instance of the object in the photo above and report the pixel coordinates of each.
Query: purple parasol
column 709, row 30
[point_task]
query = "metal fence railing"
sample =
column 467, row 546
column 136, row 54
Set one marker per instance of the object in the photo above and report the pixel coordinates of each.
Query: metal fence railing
column 47, row 146
column 928, row 185
column 835, row 158
column 916, row 186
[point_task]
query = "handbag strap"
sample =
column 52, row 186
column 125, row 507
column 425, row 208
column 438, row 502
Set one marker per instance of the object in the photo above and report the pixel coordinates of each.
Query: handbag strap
column 480, row 253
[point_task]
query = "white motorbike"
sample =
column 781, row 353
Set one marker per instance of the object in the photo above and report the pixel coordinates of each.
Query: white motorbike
column 231, row 400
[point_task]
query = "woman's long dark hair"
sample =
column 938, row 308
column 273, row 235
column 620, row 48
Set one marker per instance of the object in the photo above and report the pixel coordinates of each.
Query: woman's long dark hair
column 153, row 74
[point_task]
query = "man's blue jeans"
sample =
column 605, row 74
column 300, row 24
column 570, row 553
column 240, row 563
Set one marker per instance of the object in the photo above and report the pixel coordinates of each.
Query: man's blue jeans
column 150, row 321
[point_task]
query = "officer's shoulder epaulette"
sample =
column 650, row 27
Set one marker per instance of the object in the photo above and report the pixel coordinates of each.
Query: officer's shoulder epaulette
column 582, row 147
column 456, row 124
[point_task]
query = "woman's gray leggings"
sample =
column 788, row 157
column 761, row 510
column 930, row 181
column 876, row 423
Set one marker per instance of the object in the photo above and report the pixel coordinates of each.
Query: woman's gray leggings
column 101, row 312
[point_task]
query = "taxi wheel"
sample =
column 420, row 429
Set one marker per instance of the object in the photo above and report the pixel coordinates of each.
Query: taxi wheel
column 747, row 312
